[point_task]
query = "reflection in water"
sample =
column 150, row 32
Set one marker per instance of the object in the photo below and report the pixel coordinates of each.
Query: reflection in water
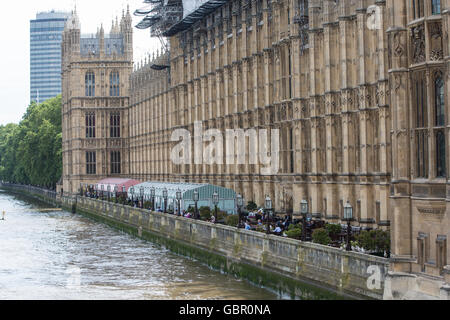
column 57, row 255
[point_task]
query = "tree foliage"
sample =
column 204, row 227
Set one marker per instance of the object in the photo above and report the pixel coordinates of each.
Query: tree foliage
column 374, row 240
column 31, row 151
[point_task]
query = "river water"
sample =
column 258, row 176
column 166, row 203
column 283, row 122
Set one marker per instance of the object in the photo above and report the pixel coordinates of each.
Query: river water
column 47, row 255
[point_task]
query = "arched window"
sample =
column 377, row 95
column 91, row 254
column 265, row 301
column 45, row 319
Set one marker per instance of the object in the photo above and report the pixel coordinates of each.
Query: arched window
column 439, row 102
column 114, row 82
column 90, row 84
column 436, row 6
column 421, row 126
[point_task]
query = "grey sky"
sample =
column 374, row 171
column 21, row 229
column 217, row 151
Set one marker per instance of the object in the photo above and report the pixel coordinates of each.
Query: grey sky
column 15, row 19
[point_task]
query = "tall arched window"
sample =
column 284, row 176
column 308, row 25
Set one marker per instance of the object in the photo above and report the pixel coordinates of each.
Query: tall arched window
column 90, row 84
column 114, row 82
column 421, row 126
column 439, row 102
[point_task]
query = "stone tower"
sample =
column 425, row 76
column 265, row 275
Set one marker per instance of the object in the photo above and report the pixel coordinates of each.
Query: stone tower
column 420, row 190
column 95, row 97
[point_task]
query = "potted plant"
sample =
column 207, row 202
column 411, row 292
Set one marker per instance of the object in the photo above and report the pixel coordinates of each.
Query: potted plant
column 321, row 236
column 294, row 231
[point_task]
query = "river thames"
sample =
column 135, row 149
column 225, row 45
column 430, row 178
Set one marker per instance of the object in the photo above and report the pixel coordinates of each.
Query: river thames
column 56, row 255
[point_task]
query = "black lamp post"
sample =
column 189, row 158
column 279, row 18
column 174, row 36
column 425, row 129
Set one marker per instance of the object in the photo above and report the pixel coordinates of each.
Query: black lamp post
column 240, row 204
column 348, row 216
column 196, row 198
column 152, row 194
column 165, row 196
column 304, row 212
column 141, row 190
column 116, row 188
column 268, row 207
column 81, row 189
column 179, row 201
column 215, row 199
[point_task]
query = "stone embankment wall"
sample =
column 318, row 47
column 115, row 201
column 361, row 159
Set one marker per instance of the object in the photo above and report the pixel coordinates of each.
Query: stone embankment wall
column 294, row 268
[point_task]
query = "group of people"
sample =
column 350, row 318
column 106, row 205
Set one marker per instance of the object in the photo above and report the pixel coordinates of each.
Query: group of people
column 279, row 227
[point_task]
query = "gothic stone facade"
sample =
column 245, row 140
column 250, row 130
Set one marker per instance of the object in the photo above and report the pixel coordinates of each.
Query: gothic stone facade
column 359, row 93
column 95, row 95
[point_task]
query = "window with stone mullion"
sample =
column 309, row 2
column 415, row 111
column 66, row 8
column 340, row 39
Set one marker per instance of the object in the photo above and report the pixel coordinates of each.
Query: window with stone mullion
column 421, row 126
column 439, row 129
column 435, row 7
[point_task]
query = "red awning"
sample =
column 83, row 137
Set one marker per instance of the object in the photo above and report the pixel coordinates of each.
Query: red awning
column 127, row 183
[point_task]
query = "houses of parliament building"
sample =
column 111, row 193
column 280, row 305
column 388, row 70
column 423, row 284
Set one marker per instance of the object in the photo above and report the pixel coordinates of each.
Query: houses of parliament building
column 358, row 89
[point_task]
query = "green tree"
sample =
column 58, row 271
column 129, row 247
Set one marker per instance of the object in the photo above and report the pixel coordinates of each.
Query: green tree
column 31, row 152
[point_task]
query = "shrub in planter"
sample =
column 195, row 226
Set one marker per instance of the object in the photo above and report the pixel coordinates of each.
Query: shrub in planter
column 232, row 220
column 220, row 214
column 333, row 229
column 295, row 226
column 205, row 213
column 294, row 233
column 321, row 236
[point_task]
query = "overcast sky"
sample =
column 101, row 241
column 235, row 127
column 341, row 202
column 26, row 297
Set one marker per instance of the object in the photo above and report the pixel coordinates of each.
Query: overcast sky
column 15, row 19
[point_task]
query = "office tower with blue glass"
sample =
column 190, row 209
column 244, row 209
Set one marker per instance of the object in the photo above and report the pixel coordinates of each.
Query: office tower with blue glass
column 45, row 55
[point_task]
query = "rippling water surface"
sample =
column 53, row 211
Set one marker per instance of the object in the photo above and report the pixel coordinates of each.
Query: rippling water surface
column 57, row 255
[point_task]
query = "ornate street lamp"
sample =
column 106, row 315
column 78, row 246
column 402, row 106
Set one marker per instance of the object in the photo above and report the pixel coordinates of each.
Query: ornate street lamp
column 152, row 194
column 304, row 212
column 141, row 190
column 179, row 201
column 196, row 198
column 348, row 216
column 165, row 196
column 268, row 207
column 81, row 189
column 215, row 199
column 240, row 204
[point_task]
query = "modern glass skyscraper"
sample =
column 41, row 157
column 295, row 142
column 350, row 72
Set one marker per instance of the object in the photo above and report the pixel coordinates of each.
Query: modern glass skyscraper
column 45, row 54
